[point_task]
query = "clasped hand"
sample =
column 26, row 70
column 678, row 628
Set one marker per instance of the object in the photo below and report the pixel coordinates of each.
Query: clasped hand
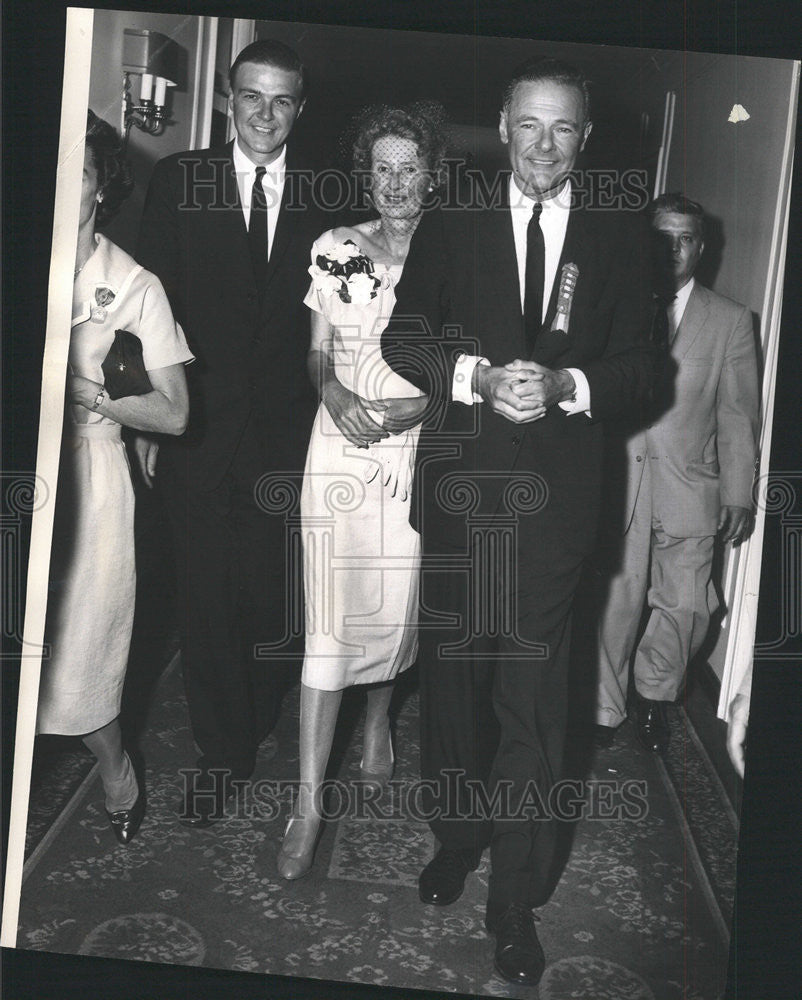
column 522, row 391
column 80, row 390
column 351, row 414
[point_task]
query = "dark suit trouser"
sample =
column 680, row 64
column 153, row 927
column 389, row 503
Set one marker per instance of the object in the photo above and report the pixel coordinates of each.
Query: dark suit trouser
column 498, row 709
column 232, row 564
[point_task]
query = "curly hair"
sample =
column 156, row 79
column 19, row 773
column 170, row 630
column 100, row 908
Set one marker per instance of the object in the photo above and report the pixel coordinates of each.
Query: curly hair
column 422, row 123
column 113, row 172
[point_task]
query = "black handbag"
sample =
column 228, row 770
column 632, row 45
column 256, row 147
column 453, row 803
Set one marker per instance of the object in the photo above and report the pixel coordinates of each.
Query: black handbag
column 123, row 368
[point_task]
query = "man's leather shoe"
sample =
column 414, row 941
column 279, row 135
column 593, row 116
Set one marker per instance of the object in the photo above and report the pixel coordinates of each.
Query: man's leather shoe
column 441, row 882
column 125, row 822
column 651, row 724
column 518, row 957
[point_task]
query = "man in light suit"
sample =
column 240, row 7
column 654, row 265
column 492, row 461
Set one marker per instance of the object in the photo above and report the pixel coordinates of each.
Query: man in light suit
column 687, row 477
column 233, row 259
column 507, row 484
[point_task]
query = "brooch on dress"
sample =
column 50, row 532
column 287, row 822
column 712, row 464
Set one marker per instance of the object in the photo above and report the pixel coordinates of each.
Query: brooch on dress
column 343, row 269
column 104, row 296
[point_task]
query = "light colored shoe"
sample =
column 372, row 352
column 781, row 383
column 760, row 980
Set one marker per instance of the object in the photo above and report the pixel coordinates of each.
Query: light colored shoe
column 378, row 775
column 292, row 863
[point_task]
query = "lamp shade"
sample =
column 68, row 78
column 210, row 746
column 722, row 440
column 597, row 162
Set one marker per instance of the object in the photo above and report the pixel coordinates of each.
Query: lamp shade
column 146, row 51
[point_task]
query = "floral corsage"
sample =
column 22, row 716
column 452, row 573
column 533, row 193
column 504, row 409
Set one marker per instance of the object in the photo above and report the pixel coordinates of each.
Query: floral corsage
column 344, row 269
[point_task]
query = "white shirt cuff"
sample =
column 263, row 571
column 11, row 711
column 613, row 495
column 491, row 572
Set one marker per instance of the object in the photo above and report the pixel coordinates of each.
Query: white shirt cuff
column 463, row 376
column 581, row 401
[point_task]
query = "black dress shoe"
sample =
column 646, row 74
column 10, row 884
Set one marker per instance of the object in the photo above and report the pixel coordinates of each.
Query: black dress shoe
column 125, row 822
column 441, row 882
column 518, row 957
column 651, row 724
column 205, row 796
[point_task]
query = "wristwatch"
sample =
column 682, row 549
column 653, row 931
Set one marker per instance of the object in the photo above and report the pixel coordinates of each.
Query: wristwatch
column 101, row 395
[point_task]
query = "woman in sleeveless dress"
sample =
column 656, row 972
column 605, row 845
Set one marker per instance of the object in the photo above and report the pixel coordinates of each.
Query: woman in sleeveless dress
column 361, row 555
column 92, row 574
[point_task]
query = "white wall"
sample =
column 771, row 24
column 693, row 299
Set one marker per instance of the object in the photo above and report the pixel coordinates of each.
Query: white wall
column 732, row 169
column 105, row 95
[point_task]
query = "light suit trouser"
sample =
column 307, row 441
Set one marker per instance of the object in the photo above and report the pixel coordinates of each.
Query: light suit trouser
column 681, row 598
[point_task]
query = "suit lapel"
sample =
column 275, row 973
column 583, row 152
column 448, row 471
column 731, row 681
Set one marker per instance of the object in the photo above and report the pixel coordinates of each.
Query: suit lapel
column 693, row 319
column 222, row 223
column 233, row 217
column 283, row 231
column 574, row 251
column 499, row 265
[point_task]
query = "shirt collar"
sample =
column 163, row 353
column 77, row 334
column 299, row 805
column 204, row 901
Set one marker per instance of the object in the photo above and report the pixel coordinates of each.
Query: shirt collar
column 103, row 280
column 243, row 165
column 682, row 296
column 103, row 266
column 560, row 202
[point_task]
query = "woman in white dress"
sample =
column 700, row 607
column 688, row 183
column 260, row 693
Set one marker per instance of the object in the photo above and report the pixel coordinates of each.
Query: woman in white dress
column 92, row 572
column 361, row 556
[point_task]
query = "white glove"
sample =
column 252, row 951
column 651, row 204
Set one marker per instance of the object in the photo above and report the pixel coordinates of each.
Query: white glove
column 392, row 462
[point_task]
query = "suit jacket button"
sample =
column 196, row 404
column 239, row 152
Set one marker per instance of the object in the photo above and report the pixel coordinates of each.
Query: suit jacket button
column 639, row 458
column 515, row 439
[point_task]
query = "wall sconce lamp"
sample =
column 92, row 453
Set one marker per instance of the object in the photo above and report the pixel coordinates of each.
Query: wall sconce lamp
column 154, row 57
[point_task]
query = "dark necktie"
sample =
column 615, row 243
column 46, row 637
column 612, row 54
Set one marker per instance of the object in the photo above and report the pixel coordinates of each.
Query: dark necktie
column 662, row 392
column 660, row 328
column 257, row 228
column 535, row 277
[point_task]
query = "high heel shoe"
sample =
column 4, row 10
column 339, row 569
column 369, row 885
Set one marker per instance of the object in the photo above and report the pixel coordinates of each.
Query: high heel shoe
column 378, row 775
column 295, row 866
column 125, row 822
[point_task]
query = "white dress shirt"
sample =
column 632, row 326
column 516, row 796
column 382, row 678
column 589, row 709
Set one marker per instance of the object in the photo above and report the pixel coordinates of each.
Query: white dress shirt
column 676, row 308
column 272, row 185
column 553, row 223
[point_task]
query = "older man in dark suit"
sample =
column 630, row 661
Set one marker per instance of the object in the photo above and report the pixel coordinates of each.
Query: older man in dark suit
column 536, row 320
column 232, row 253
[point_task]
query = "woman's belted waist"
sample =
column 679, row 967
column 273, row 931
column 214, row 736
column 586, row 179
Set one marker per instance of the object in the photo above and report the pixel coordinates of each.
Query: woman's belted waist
column 107, row 431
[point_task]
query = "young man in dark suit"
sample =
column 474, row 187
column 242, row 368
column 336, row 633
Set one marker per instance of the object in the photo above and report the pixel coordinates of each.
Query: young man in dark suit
column 507, row 486
column 228, row 234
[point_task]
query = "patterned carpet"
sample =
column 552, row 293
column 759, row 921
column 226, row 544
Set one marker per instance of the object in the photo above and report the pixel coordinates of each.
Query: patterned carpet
column 639, row 914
